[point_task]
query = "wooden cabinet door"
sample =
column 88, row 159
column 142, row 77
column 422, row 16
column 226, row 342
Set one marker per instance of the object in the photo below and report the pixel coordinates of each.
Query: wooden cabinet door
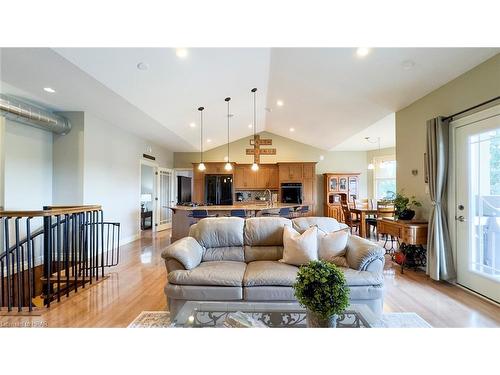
column 295, row 172
column 308, row 191
column 263, row 175
column 274, row 180
column 239, row 177
column 309, row 170
column 250, row 177
column 284, row 172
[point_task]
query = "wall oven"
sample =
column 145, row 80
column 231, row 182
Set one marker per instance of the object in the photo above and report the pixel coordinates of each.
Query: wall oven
column 291, row 193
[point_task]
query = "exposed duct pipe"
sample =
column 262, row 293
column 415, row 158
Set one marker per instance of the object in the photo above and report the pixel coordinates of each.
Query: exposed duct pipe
column 28, row 114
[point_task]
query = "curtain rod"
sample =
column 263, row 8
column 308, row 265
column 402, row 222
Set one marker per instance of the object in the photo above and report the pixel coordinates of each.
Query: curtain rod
column 471, row 108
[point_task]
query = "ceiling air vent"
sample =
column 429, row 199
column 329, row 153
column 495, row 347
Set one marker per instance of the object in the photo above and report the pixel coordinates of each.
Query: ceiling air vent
column 16, row 110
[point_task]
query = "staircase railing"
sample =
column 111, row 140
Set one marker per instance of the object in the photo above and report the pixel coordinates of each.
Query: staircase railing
column 70, row 249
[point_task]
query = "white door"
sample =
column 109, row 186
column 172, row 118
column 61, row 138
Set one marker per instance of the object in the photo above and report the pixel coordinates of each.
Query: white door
column 477, row 204
column 165, row 198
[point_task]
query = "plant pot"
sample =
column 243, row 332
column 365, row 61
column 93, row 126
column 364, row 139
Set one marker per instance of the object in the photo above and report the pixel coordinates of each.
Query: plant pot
column 406, row 215
column 316, row 321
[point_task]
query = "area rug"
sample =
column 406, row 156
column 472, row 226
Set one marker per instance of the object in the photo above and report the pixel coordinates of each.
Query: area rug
column 161, row 319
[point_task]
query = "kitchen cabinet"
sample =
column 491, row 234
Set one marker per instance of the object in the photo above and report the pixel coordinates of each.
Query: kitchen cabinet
column 291, row 172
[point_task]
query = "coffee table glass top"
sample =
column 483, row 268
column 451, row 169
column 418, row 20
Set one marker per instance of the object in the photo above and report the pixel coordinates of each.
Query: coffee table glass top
column 274, row 315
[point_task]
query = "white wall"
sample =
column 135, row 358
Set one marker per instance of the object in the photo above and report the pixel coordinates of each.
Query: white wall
column 147, row 182
column 112, row 173
column 67, row 164
column 28, row 167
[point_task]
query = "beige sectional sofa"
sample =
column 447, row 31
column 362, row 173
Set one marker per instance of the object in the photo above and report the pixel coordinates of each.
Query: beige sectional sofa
column 233, row 259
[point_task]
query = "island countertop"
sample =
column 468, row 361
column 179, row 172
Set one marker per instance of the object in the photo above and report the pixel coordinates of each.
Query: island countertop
column 240, row 206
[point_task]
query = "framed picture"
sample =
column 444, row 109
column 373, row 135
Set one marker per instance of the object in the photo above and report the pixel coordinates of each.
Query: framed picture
column 343, row 184
column 333, row 184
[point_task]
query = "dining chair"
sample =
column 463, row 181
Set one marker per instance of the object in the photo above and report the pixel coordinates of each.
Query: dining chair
column 350, row 219
column 383, row 210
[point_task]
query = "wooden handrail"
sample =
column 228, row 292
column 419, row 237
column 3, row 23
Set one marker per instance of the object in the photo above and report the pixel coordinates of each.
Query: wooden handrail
column 51, row 211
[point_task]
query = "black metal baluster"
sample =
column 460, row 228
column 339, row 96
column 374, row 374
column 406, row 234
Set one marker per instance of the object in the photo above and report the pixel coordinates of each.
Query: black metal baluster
column 30, row 266
column 66, row 250
column 74, row 248
column 118, row 245
column 7, row 263
column 47, row 249
column 18, row 265
column 102, row 243
column 107, row 247
column 91, row 240
column 58, row 255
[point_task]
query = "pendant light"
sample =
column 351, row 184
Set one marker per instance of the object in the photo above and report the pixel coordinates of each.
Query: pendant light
column 201, row 166
column 228, row 165
column 371, row 166
column 255, row 166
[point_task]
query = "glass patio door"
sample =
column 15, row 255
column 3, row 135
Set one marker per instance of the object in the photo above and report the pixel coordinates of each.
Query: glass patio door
column 477, row 211
column 165, row 198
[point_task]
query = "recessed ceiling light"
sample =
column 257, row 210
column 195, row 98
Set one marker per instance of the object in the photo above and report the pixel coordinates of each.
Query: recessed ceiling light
column 181, row 53
column 292, row 129
column 49, row 89
column 362, row 51
column 209, row 140
column 250, row 126
column 408, row 64
column 279, row 103
column 143, row 66
column 192, row 125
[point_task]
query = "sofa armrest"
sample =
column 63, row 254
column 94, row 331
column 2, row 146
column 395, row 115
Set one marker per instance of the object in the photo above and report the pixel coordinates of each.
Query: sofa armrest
column 364, row 255
column 187, row 251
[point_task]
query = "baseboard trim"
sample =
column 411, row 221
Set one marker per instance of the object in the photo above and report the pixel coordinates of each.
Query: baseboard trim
column 127, row 240
column 484, row 298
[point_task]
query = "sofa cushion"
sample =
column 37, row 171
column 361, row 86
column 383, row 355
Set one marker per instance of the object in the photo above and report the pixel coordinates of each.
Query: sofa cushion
column 265, row 231
column 224, row 273
column 299, row 249
column 326, row 224
column 268, row 273
column 218, row 231
column 204, row 292
column 253, row 253
column 269, row 293
column 223, row 253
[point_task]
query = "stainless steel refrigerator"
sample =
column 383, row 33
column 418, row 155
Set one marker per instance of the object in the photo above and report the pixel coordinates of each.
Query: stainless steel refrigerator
column 219, row 189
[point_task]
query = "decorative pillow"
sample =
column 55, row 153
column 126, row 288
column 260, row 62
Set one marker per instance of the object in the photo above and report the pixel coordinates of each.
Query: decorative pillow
column 332, row 246
column 299, row 249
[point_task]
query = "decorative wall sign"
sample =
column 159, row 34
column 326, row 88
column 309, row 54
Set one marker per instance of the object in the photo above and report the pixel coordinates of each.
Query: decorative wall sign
column 256, row 151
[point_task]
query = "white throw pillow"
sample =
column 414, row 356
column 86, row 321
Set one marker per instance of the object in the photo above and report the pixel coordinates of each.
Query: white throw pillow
column 299, row 249
column 332, row 246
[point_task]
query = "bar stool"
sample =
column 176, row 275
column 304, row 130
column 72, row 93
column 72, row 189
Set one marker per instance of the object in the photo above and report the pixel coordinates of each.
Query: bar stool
column 239, row 213
column 200, row 214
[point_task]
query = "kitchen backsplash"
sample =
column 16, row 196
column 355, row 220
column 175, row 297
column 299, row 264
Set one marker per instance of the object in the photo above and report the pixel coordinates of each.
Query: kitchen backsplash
column 253, row 195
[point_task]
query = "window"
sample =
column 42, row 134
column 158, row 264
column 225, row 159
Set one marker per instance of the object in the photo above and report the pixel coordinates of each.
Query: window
column 384, row 176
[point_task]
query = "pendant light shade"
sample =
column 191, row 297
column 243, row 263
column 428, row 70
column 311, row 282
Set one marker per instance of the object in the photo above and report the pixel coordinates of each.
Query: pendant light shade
column 228, row 166
column 201, row 166
column 255, row 166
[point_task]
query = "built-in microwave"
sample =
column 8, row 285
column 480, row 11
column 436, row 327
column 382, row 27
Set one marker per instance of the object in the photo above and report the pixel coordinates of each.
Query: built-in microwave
column 291, row 192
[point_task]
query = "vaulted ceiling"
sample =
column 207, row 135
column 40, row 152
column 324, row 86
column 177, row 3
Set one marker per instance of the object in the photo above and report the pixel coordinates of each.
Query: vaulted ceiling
column 330, row 97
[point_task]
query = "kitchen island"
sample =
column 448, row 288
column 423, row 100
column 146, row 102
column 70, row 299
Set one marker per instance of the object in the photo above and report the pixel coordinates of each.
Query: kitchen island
column 182, row 220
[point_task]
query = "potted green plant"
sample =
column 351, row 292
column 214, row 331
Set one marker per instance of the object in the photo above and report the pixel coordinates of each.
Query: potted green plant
column 322, row 289
column 404, row 205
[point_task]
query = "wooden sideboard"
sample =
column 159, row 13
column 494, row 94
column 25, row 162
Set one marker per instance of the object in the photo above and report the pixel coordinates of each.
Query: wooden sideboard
column 412, row 235
column 409, row 232
column 334, row 184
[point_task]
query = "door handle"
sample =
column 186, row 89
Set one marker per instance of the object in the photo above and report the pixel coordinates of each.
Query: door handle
column 460, row 218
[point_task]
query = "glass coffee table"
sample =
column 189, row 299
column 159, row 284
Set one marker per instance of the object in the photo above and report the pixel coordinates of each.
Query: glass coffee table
column 265, row 314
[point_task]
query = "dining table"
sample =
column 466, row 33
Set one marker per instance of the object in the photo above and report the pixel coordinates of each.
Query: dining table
column 363, row 213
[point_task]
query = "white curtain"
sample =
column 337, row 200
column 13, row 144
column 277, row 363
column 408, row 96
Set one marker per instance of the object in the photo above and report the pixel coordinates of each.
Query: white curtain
column 439, row 255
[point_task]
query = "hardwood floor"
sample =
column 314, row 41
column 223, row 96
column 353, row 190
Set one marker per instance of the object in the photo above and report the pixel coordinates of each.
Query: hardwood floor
column 137, row 285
